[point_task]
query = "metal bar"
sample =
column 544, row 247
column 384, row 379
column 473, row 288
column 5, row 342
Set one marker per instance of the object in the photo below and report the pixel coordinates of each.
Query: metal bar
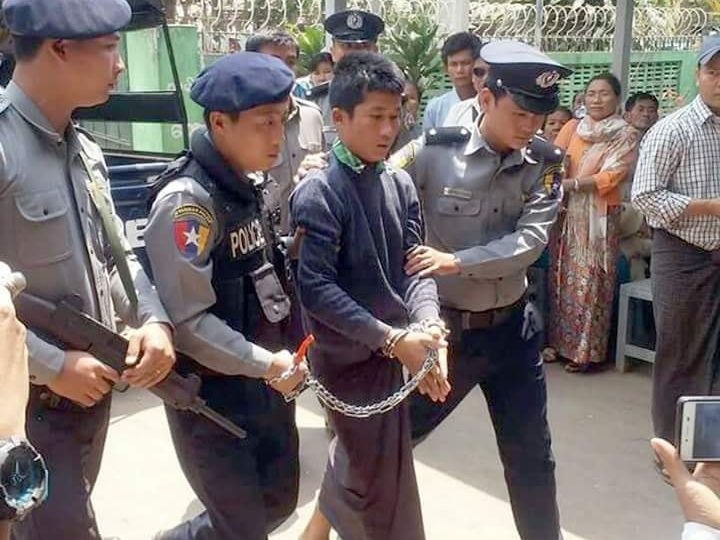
column 333, row 6
column 622, row 43
column 178, row 86
column 539, row 6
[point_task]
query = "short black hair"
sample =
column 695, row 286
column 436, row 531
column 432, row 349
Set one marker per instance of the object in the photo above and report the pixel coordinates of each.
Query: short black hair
column 26, row 48
column 637, row 96
column 609, row 78
column 359, row 73
column 462, row 41
column 234, row 115
column 278, row 38
column 319, row 58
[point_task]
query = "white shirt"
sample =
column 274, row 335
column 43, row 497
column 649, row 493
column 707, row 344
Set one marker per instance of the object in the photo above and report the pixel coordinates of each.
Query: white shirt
column 438, row 108
column 463, row 113
column 696, row 531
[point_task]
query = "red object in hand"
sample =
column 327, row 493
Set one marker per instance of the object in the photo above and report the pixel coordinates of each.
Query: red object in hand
column 302, row 350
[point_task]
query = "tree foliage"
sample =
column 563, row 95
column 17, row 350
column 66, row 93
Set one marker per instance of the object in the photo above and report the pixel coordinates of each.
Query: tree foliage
column 413, row 43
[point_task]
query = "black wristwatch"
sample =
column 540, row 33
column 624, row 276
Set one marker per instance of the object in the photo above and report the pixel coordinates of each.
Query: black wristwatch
column 23, row 479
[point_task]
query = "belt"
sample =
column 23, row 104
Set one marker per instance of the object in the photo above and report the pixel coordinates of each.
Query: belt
column 476, row 320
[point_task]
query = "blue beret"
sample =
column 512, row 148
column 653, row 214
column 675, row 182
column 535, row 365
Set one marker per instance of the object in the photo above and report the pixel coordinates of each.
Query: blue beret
column 354, row 26
column 528, row 75
column 240, row 81
column 66, row 19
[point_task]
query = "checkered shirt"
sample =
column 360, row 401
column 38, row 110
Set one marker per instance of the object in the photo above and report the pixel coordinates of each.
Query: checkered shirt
column 679, row 162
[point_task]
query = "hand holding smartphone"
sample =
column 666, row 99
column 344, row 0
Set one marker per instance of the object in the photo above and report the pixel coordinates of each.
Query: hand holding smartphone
column 698, row 428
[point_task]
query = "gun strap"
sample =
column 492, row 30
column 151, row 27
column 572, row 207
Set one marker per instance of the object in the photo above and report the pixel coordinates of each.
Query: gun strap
column 109, row 228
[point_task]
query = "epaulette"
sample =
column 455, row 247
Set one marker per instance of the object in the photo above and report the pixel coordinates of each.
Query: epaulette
column 405, row 156
column 542, row 149
column 318, row 91
column 446, row 135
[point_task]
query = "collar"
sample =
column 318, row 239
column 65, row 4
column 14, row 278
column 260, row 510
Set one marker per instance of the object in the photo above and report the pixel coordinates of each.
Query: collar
column 477, row 142
column 30, row 112
column 351, row 161
column 701, row 111
column 206, row 154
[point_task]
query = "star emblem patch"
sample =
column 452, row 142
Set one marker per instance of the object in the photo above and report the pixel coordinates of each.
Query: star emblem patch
column 191, row 228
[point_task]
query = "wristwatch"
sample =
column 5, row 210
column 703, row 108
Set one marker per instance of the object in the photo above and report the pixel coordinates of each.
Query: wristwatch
column 23, row 479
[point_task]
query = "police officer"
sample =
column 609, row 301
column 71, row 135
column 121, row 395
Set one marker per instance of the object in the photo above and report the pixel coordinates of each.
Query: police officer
column 352, row 30
column 490, row 198
column 303, row 130
column 212, row 250
column 58, row 227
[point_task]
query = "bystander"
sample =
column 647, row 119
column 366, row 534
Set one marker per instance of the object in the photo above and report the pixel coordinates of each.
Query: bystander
column 676, row 187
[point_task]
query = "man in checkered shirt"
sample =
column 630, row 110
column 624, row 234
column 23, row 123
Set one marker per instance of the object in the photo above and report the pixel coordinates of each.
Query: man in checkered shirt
column 677, row 188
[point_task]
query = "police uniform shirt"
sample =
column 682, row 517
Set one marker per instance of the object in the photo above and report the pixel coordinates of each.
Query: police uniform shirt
column 493, row 212
column 50, row 231
column 303, row 136
column 182, row 232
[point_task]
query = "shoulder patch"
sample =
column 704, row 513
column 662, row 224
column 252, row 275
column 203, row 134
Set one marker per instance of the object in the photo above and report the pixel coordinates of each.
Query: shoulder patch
column 317, row 91
column 447, row 135
column 407, row 155
column 191, row 229
column 542, row 149
column 552, row 180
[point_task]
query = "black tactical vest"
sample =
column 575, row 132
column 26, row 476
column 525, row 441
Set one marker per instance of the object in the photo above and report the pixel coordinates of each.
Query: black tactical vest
column 249, row 275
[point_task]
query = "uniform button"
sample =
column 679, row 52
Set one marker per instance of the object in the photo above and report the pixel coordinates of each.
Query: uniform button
column 294, row 155
column 276, row 308
column 495, row 210
column 457, row 208
column 82, row 210
column 500, row 279
column 45, row 212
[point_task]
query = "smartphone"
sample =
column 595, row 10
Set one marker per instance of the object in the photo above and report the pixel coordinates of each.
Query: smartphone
column 698, row 428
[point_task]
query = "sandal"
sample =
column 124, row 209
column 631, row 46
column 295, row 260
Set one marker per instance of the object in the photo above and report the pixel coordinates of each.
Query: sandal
column 574, row 367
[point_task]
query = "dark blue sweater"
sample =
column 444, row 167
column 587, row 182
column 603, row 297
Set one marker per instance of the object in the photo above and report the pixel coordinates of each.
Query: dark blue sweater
column 350, row 275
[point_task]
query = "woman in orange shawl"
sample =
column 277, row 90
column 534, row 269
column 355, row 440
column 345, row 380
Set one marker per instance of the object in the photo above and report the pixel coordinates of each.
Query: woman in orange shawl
column 600, row 153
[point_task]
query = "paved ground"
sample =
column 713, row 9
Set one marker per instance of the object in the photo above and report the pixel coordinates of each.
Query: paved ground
column 607, row 488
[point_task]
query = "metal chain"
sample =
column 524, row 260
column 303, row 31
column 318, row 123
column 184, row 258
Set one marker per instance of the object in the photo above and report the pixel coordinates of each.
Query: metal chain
column 336, row 404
